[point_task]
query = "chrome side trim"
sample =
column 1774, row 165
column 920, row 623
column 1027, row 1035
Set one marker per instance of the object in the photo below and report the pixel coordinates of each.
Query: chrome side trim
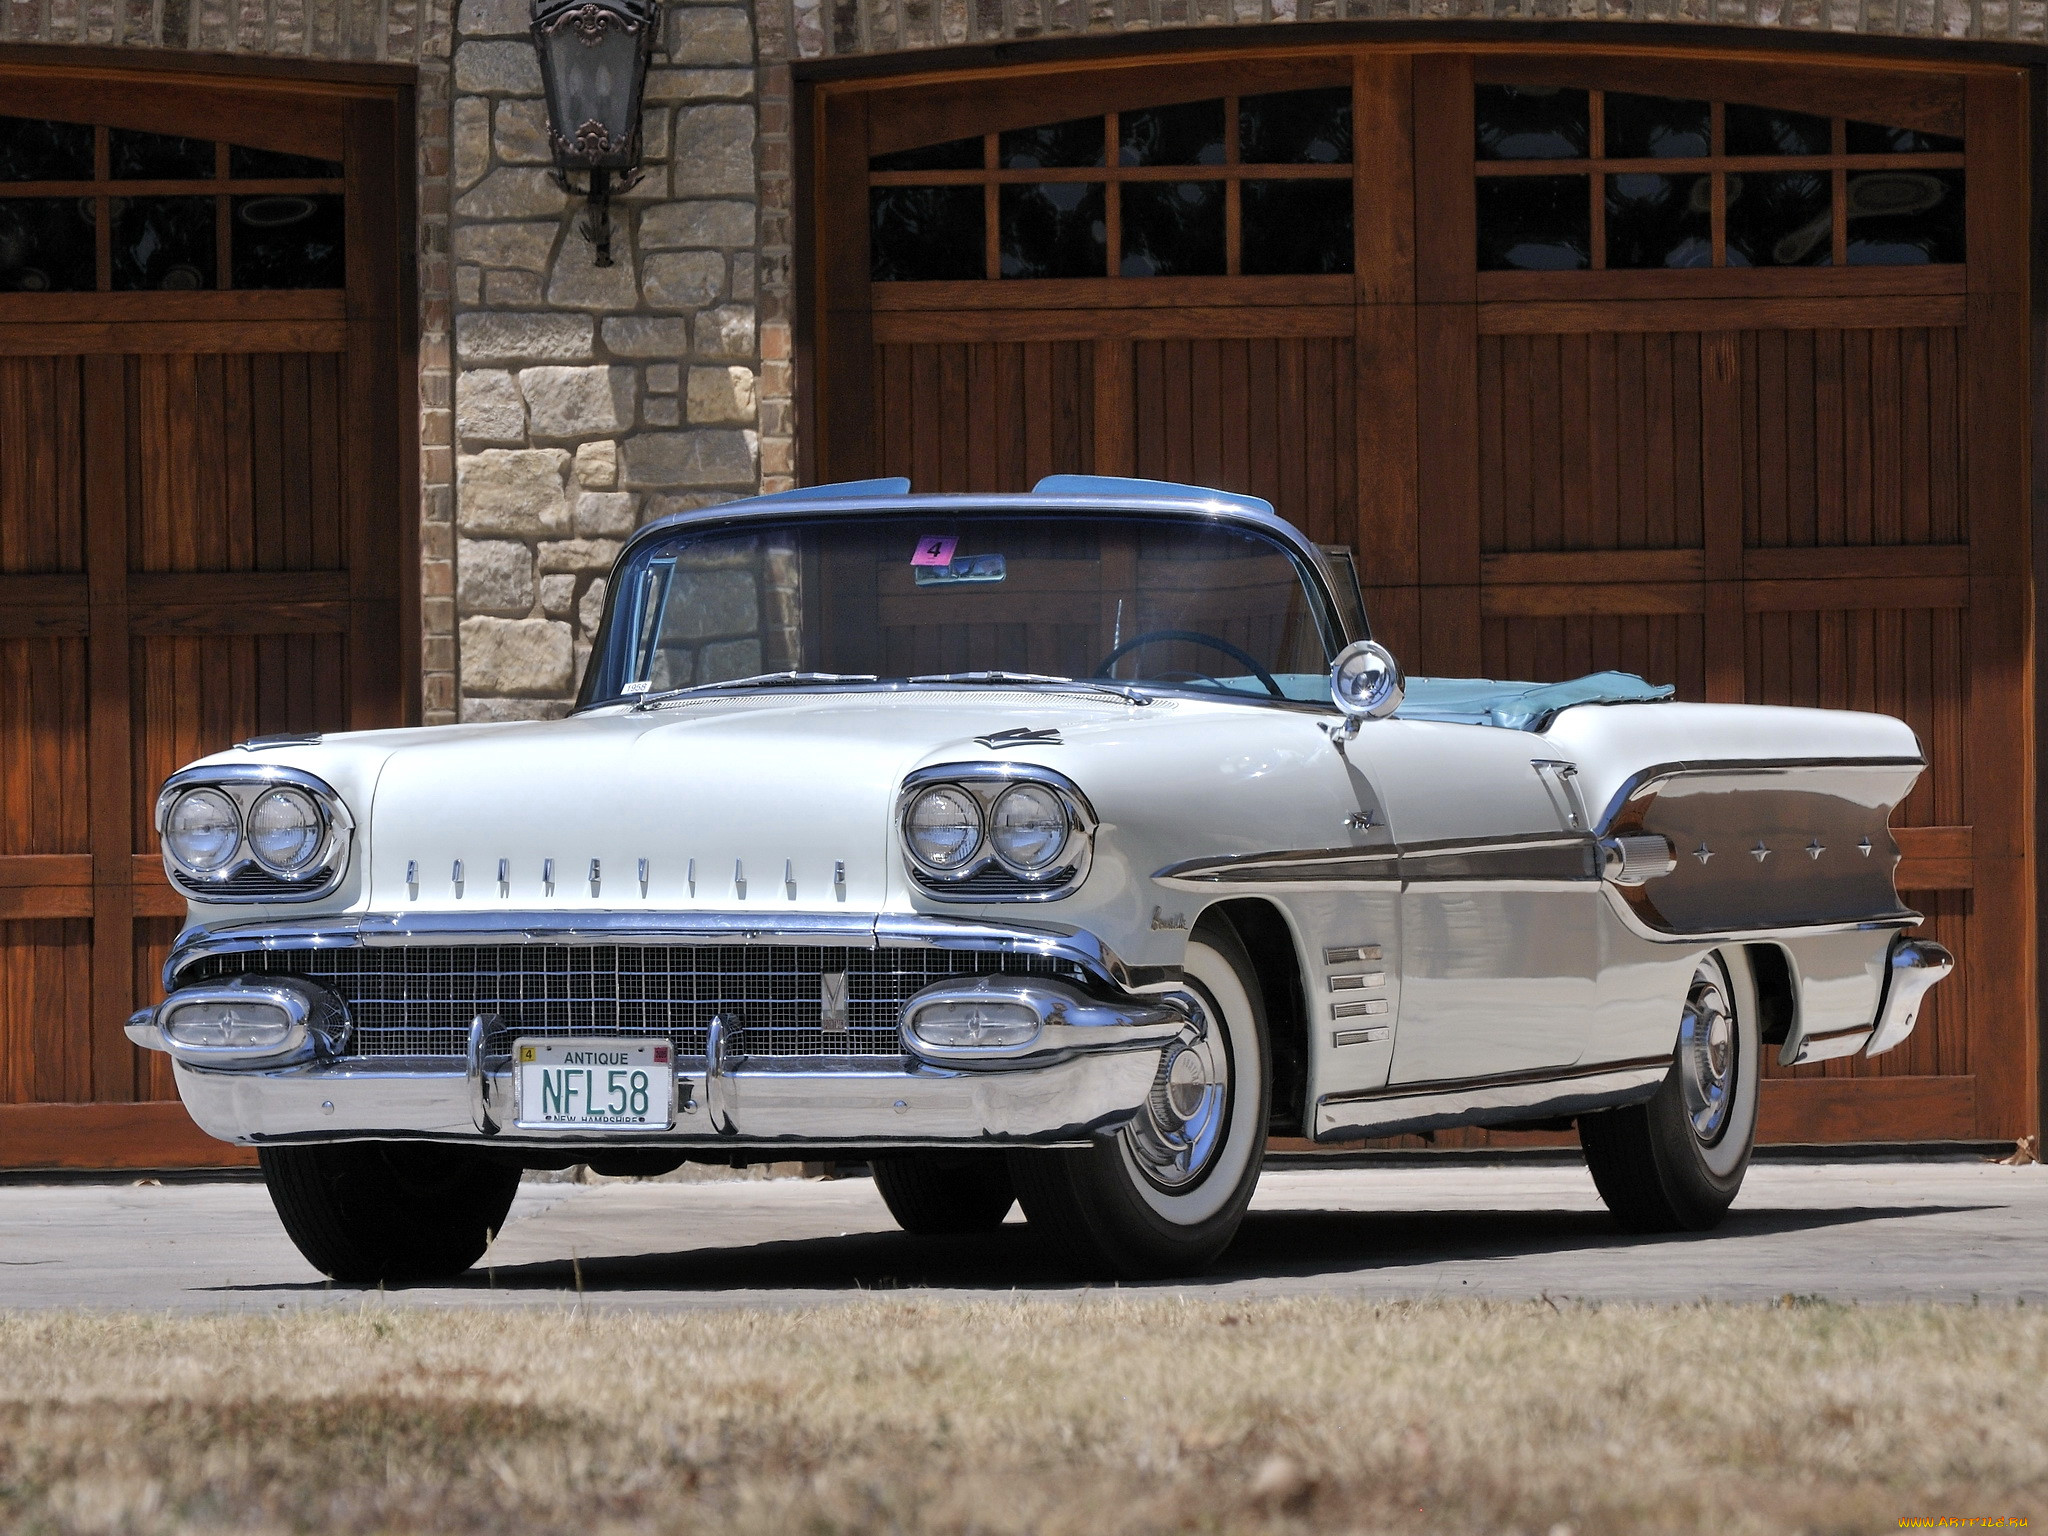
column 1408, row 1107
column 1343, row 866
column 1913, row 966
column 1643, row 778
column 852, row 930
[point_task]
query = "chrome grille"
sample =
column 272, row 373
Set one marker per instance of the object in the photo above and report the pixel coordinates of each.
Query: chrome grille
column 250, row 881
column 992, row 883
column 419, row 1001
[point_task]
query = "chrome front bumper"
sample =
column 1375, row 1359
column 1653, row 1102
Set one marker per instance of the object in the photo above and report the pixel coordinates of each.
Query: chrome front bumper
column 852, row 1104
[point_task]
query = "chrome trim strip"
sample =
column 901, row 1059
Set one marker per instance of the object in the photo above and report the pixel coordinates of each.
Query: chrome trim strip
column 1332, row 865
column 851, row 1104
column 851, row 930
column 1912, row 967
column 1542, row 1095
column 1643, row 778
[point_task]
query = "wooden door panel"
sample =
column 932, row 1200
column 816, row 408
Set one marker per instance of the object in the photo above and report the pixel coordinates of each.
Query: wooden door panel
column 984, row 416
column 239, row 462
column 45, row 984
column 43, row 694
column 42, row 480
column 1852, row 437
column 1590, row 442
column 154, row 937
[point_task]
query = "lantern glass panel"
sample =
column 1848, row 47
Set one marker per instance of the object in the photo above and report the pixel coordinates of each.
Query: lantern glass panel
column 593, row 63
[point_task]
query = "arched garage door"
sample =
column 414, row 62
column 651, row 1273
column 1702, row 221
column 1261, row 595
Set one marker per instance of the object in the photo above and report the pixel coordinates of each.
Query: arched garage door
column 1706, row 367
column 205, row 419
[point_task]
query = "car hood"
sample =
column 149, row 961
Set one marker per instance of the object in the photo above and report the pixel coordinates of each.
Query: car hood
column 782, row 802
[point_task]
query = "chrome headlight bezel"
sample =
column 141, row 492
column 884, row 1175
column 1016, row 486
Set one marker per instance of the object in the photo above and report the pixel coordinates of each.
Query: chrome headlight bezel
column 987, row 876
column 246, row 876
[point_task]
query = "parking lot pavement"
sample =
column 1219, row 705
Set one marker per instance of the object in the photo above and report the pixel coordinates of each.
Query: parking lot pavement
column 1866, row 1231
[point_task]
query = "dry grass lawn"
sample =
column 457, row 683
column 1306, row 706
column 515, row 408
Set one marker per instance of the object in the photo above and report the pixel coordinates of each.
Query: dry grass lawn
column 1130, row 1416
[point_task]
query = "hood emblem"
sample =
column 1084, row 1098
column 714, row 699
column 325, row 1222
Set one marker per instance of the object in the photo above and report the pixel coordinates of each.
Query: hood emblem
column 1022, row 736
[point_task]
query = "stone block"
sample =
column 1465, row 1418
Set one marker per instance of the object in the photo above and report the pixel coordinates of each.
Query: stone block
column 490, row 711
column 512, row 192
column 704, row 34
column 512, row 290
column 597, row 465
column 662, row 411
column 639, row 336
column 496, row 576
column 685, row 226
column 525, row 246
column 521, row 133
column 520, row 658
column 663, row 378
column 557, row 596
column 472, row 132
column 486, row 338
column 579, row 554
column 502, row 69
column 488, row 408
column 722, row 395
column 684, row 279
column 469, row 285
column 579, row 402
column 515, row 491
column 494, row 18
column 590, row 612
column 660, row 459
column 714, row 152
column 578, row 282
column 607, row 514
column 705, row 604
column 727, row 331
column 686, row 85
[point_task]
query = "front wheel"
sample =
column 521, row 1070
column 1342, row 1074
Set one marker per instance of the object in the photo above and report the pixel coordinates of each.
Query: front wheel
column 370, row 1211
column 1675, row 1163
column 1164, row 1196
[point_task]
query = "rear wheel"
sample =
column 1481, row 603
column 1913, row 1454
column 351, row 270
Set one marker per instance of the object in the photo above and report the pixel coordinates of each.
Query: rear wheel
column 1165, row 1195
column 1675, row 1163
column 365, row 1211
column 945, row 1194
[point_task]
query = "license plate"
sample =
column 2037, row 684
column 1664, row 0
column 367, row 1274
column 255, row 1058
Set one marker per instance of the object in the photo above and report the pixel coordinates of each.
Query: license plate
column 598, row 1085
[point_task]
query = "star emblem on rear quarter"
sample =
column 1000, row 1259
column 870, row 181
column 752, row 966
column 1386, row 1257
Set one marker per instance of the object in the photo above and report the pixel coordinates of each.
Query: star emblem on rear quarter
column 1703, row 853
column 1816, row 848
column 1760, row 852
column 1864, row 847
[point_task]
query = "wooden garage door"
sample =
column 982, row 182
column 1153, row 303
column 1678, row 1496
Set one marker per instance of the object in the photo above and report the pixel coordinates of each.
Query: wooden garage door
column 1711, row 369
column 202, row 480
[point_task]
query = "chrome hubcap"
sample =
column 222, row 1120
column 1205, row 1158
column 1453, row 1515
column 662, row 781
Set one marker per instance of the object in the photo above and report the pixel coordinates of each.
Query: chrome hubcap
column 1181, row 1131
column 1707, row 1051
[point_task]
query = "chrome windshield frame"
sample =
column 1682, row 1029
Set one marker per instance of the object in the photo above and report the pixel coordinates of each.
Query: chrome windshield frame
column 1219, row 509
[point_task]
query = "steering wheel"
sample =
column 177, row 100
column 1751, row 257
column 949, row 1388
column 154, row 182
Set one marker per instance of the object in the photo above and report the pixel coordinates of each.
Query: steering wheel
column 1107, row 666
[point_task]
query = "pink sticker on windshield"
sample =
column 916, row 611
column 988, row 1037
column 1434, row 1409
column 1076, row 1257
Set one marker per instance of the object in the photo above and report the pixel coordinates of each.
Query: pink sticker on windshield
column 934, row 549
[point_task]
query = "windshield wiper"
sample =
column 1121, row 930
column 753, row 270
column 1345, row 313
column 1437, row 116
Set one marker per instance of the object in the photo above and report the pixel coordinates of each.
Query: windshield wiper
column 758, row 680
column 998, row 677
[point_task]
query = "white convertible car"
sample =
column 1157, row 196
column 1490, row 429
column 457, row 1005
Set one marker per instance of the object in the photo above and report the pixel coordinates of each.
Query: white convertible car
column 1052, row 848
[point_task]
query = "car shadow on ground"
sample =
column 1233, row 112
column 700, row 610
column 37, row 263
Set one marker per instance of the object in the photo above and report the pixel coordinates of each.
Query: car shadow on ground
column 1271, row 1245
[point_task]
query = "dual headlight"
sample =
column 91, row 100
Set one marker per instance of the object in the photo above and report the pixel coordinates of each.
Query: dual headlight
column 1033, row 830
column 290, row 826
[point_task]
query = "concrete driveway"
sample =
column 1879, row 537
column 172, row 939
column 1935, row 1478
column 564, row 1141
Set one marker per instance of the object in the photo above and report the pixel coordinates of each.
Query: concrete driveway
column 1866, row 1231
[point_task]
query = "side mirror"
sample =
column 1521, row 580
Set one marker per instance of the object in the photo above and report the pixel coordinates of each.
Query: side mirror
column 1366, row 682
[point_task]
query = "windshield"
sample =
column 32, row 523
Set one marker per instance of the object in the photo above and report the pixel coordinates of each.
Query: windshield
column 1160, row 602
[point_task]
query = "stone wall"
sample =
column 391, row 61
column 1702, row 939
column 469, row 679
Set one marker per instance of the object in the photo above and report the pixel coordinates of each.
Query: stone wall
column 589, row 399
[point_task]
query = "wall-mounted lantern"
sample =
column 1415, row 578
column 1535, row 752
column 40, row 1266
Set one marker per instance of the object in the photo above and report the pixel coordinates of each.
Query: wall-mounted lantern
column 593, row 63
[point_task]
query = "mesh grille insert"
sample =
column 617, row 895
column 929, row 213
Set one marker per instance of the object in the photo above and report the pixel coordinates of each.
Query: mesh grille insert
column 418, row 1001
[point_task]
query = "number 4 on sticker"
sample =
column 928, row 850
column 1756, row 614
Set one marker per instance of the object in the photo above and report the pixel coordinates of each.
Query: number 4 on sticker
column 934, row 549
